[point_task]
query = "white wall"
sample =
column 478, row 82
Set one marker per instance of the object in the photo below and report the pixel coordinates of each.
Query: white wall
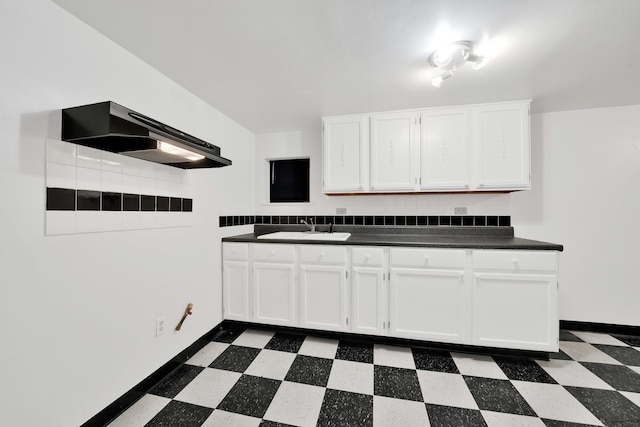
column 586, row 171
column 77, row 312
column 309, row 144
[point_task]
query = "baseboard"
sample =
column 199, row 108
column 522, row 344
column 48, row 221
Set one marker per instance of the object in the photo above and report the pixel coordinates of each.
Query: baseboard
column 607, row 328
column 109, row 413
column 375, row 339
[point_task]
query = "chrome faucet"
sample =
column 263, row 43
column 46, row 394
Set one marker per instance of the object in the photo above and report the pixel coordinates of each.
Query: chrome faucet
column 312, row 226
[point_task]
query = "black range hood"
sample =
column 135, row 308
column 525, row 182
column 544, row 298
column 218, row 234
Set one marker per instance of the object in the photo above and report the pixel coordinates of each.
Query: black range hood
column 111, row 127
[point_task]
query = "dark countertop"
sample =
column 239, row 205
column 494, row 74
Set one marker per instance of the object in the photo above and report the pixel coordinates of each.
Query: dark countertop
column 428, row 237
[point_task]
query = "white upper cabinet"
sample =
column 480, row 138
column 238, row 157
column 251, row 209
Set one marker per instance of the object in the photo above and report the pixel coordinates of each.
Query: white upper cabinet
column 445, row 149
column 345, row 154
column 393, row 145
column 502, row 146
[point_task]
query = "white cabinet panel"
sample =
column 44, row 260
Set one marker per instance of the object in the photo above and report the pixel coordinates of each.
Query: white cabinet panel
column 515, row 311
column 369, row 300
column 428, row 304
column 274, row 293
column 235, row 290
column 345, row 154
column 503, row 146
column 323, row 297
column 393, row 149
column 445, row 149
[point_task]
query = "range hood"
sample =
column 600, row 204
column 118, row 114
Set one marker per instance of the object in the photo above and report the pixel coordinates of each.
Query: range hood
column 111, row 127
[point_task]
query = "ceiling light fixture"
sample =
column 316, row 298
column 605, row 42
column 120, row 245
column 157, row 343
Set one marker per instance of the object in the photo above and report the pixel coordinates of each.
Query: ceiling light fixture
column 448, row 58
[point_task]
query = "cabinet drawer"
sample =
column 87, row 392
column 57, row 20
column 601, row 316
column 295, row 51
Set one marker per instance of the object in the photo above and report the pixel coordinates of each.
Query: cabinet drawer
column 515, row 260
column 322, row 254
column 427, row 258
column 275, row 253
column 235, row 251
column 367, row 256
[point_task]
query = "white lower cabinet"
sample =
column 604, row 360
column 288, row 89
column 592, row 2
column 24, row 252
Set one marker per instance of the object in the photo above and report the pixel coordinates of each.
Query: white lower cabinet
column 274, row 284
column 429, row 294
column 491, row 298
column 323, row 287
column 370, row 293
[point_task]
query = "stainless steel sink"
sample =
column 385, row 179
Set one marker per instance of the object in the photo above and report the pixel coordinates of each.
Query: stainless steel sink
column 306, row 235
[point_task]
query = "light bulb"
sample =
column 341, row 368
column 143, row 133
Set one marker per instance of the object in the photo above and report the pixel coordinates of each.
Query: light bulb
column 177, row 151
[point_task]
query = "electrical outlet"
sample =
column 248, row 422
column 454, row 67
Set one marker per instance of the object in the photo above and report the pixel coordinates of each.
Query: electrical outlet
column 341, row 211
column 460, row 211
column 159, row 326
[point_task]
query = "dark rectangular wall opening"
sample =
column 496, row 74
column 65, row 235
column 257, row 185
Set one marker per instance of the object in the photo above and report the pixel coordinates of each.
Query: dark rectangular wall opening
column 289, row 181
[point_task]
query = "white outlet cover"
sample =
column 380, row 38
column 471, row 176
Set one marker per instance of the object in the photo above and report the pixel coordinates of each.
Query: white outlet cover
column 160, row 326
column 460, row 211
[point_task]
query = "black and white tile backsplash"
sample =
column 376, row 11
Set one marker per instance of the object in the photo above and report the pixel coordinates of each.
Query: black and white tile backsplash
column 89, row 190
column 372, row 220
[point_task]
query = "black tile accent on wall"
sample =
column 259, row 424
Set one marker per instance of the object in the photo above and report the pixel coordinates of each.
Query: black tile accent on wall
column 401, row 220
column 130, row 202
column 88, row 200
column 433, row 220
column 492, row 221
column 111, row 201
column 187, row 205
column 147, row 203
column 175, row 204
column 467, row 221
column 504, row 221
column 61, row 199
column 456, row 221
column 339, row 220
column 162, row 204
column 445, row 220
column 480, row 221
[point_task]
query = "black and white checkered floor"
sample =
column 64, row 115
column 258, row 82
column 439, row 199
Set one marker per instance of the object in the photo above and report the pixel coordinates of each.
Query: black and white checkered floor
column 260, row 378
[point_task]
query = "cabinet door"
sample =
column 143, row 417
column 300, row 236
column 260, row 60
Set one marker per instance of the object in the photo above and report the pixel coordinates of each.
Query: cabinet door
column 235, row 290
column 345, row 154
column 428, row 304
column 515, row 311
column 503, row 147
column 393, row 147
column 369, row 302
column 323, row 297
column 274, row 294
column 444, row 149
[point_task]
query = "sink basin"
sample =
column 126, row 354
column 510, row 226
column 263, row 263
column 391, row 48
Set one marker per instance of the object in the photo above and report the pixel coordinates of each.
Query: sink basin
column 306, row 235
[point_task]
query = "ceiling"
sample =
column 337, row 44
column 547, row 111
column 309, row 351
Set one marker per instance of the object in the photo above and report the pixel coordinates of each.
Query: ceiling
column 280, row 65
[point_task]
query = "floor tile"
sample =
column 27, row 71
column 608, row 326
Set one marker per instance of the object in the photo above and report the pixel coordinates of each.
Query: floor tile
column 271, row 364
column 285, row 342
column 498, row 396
column 440, row 388
column 207, row 354
column 319, row 347
column 253, row 338
column 397, row 383
column 342, row 408
column 296, row 404
column 568, row 336
column 250, row 396
column 394, row 412
column 266, row 423
column 235, row 358
column 434, row 360
column 570, row 372
column 224, row 418
column 355, row 377
column 523, row 370
column 310, row 370
column 180, row 414
column 141, row 412
column 209, row 387
column 390, row 355
column 557, row 423
column 610, row 407
column 176, row 381
column 632, row 340
column 585, row 352
column 228, row 335
column 635, row 368
column 597, row 338
column 634, row 397
column 625, row 355
column 355, row 351
column 445, row 416
column 500, row 419
column 478, row 366
column 560, row 355
column 619, row 377
column 554, row 402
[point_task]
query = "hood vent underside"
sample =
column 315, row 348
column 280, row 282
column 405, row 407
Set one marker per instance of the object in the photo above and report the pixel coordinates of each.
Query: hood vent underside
column 111, row 127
